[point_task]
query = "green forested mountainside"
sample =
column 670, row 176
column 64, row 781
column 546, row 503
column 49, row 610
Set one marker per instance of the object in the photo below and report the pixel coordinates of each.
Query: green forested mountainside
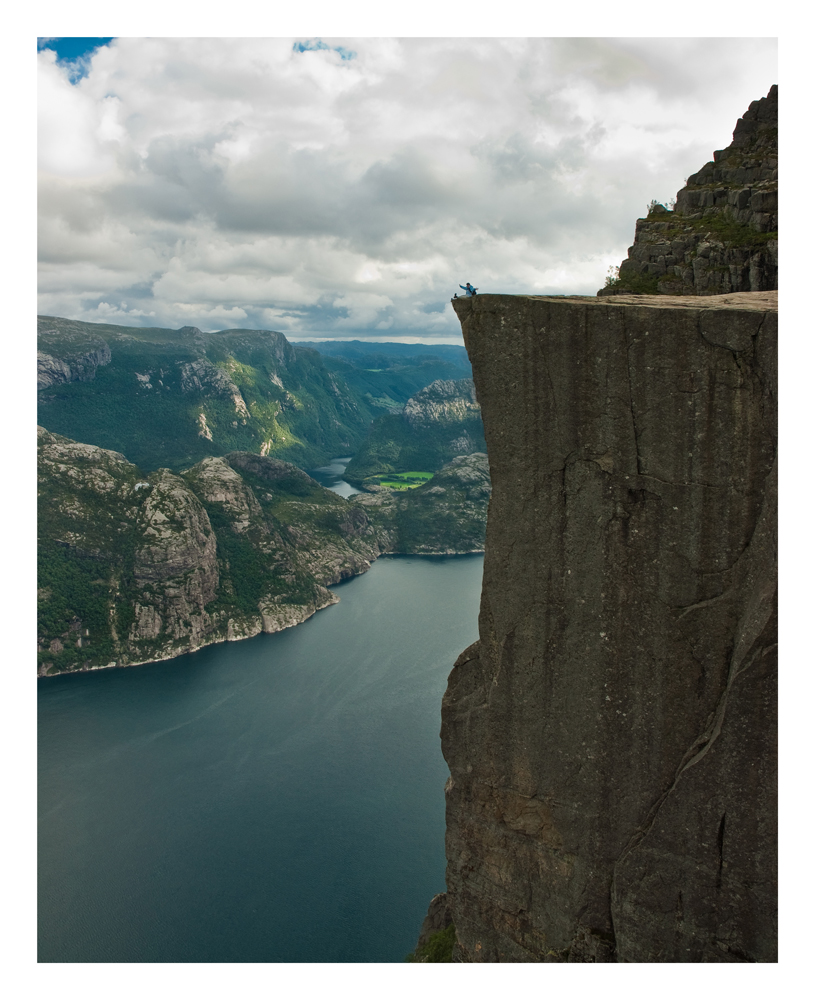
column 358, row 351
column 168, row 398
column 168, row 517
column 448, row 514
column 440, row 422
column 137, row 566
column 388, row 374
column 390, row 385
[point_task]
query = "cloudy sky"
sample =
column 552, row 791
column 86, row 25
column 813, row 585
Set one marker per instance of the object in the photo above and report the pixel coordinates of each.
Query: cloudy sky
column 344, row 187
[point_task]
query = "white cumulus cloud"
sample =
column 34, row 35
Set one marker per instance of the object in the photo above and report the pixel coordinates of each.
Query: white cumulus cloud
column 285, row 182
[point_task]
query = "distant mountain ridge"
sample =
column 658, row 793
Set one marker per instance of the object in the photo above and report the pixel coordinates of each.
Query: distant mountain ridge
column 359, row 350
column 173, row 397
column 388, row 374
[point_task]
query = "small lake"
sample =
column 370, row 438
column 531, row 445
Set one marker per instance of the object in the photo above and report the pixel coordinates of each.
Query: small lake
column 331, row 476
column 279, row 799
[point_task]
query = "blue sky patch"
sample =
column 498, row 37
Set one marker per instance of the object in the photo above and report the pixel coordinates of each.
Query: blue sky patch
column 73, row 53
column 313, row 45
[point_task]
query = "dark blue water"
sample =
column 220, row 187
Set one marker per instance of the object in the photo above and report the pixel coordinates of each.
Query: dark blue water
column 278, row 799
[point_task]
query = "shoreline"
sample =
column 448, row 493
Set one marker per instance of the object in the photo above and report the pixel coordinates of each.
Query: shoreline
column 194, row 649
column 261, row 631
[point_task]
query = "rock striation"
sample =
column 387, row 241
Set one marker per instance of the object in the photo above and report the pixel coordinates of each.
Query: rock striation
column 445, row 401
column 611, row 736
column 75, row 367
column 722, row 235
column 203, row 377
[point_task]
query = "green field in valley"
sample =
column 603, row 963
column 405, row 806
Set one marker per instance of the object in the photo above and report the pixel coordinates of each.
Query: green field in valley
column 402, row 480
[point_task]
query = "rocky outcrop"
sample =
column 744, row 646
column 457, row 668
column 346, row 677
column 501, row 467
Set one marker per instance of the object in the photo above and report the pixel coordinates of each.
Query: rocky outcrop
column 204, row 377
column 611, row 736
column 742, row 180
column 216, row 482
column 175, row 569
column 325, row 537
column 438, row 918
column 722, row 235
column 72, row 368
column 443, row 402
column 134, row 568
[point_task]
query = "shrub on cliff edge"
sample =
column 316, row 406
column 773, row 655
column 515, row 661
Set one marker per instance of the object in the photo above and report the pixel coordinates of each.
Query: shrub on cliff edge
column 439, row 947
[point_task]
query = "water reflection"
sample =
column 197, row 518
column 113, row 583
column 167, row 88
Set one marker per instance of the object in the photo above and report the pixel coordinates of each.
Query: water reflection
column 331, row 475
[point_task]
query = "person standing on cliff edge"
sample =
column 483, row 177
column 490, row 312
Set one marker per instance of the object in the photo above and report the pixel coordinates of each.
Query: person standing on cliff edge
column 469, row 290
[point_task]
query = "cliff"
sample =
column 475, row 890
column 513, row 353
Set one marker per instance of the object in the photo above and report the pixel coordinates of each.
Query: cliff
column 135, row 567
column 611, row 736
column 722, row 235
column 80, row 352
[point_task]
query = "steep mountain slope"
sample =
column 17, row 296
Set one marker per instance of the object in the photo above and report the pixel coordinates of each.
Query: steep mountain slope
column 388, row 374
column 137, row 567
column 722, row 235
column 446, row 516
column 437, row 424
column 172, row 397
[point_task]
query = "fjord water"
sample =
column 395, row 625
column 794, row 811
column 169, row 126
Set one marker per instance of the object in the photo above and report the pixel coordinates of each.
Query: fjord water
column 278, row 799
column 330, row 476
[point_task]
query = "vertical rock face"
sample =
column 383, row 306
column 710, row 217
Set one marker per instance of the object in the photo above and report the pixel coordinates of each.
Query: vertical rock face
column 75, row 368
column 611, row 736
column 176, row 561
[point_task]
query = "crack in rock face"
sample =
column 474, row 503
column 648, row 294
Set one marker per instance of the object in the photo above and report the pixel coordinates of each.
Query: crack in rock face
column 611, row 736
